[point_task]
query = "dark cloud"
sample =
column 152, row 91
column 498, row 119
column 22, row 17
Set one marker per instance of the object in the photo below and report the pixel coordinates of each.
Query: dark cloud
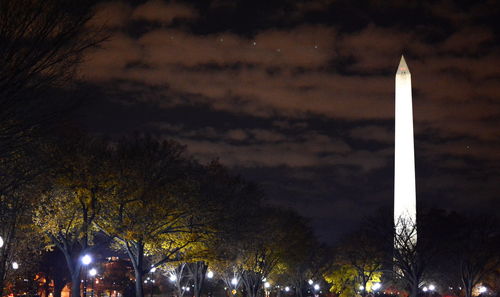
column 299, row 95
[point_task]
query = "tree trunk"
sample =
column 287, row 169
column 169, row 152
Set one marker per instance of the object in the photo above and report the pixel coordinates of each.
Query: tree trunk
column 74, row 270
column 253, row 282
column 135, row 251
column 75, row 284
column 467, row 287
column 414, row 290
column 3, row 268
column 139, row 289
column 198, row 274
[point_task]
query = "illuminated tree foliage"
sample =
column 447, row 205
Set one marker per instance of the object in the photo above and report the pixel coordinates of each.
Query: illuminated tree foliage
column 361, row 251
column 264, row 252
column 156, row 207
column 67, row 210
column 342, row 279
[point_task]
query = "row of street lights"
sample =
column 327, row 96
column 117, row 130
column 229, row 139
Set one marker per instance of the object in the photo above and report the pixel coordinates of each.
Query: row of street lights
column 86, row 260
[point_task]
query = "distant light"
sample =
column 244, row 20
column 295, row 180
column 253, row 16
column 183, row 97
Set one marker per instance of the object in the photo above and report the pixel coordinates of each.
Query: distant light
column 361, row 288
column 316, row 287
column 92, row 272
column 287, row 289
column 267, row 285
column 188, row 288
column 173, row 277
column 482, row 289
column 153, row 269
column 1, row 241
column 86, row 260
column 376, row 286
column 310, row 282
column 425, row 289
column 15, row 265
column 234, row 281
column 432, row 287
column 210, row 274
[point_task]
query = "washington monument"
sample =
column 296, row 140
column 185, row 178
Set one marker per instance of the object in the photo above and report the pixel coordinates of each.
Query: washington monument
column 405, row 210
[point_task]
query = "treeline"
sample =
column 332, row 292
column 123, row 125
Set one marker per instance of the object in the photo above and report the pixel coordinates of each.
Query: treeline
column 444, row 253
column 158, row 205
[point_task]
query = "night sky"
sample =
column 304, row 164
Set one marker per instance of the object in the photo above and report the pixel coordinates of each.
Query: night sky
column 299, row 95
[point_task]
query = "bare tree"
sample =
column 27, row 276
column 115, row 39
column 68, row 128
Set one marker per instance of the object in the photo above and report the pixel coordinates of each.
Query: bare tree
column 41, row 43
column 475, row 252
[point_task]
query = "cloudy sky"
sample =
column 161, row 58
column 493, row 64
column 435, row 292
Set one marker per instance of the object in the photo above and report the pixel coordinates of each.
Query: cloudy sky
column 299, row 95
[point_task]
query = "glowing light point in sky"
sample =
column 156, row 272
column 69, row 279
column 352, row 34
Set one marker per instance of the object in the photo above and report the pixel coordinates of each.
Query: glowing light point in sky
column 405, row 209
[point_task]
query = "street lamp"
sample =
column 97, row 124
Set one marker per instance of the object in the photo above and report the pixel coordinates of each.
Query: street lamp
column 425, row 289
column 316, row 287
column 15, row 265
column 310, row 282
column 234, row 281
column 172, row 277
column 210, row 274
column 376, row 286
column 86, row 260
column 287, row 289
column 432, row 287
column 92, row 273
column 482, row 289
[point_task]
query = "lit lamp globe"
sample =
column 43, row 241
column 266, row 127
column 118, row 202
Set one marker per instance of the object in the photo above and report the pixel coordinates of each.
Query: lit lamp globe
column 310, row 282
column 376, row 286
column 287, row 289
column 173, row 277
column 86, row 260
column 316, row 287
column 210, row 274
column 234, row 281
column 432, row 287
column 92, row 272
column 267, row 285
column 15, row 265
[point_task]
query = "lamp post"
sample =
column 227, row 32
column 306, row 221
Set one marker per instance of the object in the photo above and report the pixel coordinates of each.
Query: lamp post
column 92, row 273
column 86, row 260
column 152, row 281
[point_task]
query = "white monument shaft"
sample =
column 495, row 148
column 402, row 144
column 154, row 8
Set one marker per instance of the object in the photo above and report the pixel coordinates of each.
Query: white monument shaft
column 405, row 210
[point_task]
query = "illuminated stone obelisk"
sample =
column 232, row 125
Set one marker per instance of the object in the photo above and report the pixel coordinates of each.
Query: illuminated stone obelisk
column 405, row 210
